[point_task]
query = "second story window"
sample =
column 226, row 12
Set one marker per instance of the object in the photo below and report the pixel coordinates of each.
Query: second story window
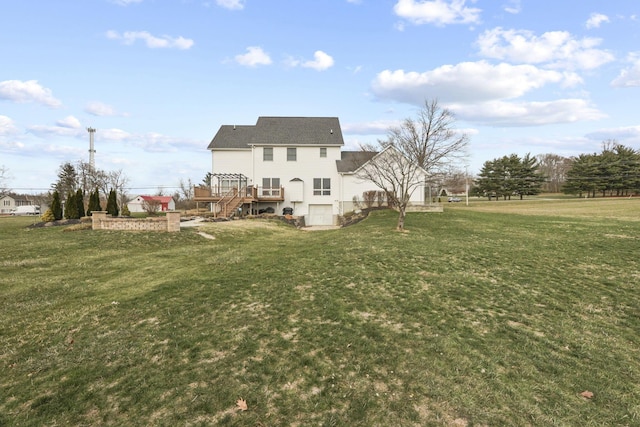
column 267, row 154
column 323, row 151
column 292, row 154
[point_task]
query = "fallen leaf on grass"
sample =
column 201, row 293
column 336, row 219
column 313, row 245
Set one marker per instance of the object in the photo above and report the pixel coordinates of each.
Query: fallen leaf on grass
column 587, row 394
column 241, row 404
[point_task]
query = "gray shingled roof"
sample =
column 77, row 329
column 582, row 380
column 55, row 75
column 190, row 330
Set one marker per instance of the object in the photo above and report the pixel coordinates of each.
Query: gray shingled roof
column 323, row 131
column 352, row 160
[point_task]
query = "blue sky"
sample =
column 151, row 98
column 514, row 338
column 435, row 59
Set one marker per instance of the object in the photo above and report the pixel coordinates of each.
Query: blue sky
column 157, row 78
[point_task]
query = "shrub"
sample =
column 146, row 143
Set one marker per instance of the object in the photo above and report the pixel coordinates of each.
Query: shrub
column 48, row 216
column 125, row 210
column 369, row 197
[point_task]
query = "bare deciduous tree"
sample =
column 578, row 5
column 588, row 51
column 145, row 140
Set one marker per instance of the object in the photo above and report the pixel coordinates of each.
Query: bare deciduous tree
column 396, row 174
column 431, row 139
column 555, row 168
column 415, row 150
column 4, row 179
column 151, row 206
column 184, row 195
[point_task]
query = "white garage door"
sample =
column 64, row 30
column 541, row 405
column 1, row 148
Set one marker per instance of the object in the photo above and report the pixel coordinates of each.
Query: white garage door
column 320, row 215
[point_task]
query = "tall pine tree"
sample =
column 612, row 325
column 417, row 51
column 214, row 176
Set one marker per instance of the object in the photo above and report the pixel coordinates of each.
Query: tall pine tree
column 80, row 203
column 71, row 206
column 112, row 203
column 56, row 206
column 94, row 202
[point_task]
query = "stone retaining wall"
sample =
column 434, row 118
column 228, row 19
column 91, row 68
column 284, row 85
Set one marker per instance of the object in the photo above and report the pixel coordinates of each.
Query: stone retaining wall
column 169, row 223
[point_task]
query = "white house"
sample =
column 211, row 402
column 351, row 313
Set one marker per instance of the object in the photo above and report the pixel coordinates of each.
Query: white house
column 11, row 202
column 164, row 203
column 286, row 162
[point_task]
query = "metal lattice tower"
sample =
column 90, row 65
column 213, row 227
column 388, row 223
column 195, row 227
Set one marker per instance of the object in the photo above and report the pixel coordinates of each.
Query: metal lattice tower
column 92, row 151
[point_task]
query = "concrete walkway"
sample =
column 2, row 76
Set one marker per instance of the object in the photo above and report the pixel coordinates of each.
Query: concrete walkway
column 192, row 222
column 320, row 227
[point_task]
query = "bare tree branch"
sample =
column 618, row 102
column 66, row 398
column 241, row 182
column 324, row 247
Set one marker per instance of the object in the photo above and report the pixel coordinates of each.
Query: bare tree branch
column 415, row 150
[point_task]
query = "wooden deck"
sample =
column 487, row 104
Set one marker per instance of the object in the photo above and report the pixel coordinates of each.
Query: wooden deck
column 248, row 195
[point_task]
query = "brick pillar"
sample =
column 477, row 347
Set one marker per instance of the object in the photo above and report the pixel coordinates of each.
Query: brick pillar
column 173, row 221
column 96, row 219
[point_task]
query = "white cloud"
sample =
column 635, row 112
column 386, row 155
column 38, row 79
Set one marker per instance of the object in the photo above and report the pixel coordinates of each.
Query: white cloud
column 321, row 61
column 63, row 150
column 7, row 126
column 466, row 82
column 130, row 37
column 597, row 19
column 69, row 122
column 626, row 133
column 255, row 56
column 100, row 109
column 231, row 4
column 44, row 131
column 377, row 127
column 438, row 12
column 12, row 146
column 126, row 2
column 555, row 49
column 629, row 77
column 527, row 113
column 113, row 135
column 27, row 91
column 513, row 6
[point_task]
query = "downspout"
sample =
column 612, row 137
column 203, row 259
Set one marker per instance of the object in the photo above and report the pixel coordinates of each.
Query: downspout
column 253, row 177
column 341, row 203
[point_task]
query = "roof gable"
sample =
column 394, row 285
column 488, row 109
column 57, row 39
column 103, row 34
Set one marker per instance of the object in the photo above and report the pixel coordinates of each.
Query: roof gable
column 160, row 199
column 317, row 131
column 352, row 160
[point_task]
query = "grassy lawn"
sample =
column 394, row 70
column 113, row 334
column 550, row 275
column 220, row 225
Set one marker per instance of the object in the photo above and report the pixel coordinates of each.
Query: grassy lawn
column 498, row 313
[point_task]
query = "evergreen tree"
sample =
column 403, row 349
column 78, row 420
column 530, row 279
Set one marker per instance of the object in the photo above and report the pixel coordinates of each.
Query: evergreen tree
column 510, row 175
column 80, row 203
column 94, row 202
column 68, row 180
column 56, row 206
column 615, row 171
column 582, row 177
column 71, row 207
column 112, row 204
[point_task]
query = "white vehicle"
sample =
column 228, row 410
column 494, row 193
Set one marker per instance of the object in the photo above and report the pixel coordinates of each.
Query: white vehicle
column 26, row 210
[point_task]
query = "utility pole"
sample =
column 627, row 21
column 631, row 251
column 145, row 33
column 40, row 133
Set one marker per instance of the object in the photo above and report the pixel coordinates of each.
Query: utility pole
column 466, row 184
column 92, row 151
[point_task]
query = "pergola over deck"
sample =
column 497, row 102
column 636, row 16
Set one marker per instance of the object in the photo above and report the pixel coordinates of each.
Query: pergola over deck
column 237, row 183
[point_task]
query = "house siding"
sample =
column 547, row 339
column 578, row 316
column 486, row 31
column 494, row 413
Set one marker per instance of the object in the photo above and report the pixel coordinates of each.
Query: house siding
column 240, row 150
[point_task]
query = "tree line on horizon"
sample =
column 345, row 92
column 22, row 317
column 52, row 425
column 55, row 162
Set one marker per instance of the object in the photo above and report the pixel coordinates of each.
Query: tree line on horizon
column 615, row 171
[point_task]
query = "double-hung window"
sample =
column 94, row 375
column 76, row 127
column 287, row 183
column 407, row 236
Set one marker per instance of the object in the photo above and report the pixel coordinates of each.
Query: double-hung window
column 271, row 187
column 267, row 154
column 321, row 186
column 323, row 151
column 292, row 154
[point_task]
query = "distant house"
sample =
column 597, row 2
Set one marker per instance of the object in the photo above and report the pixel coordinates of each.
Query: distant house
column 287, row 163
column 164, row 203
column 10, row 202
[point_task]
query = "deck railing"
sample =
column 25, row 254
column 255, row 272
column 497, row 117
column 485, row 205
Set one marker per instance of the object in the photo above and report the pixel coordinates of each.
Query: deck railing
column 214, row 194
